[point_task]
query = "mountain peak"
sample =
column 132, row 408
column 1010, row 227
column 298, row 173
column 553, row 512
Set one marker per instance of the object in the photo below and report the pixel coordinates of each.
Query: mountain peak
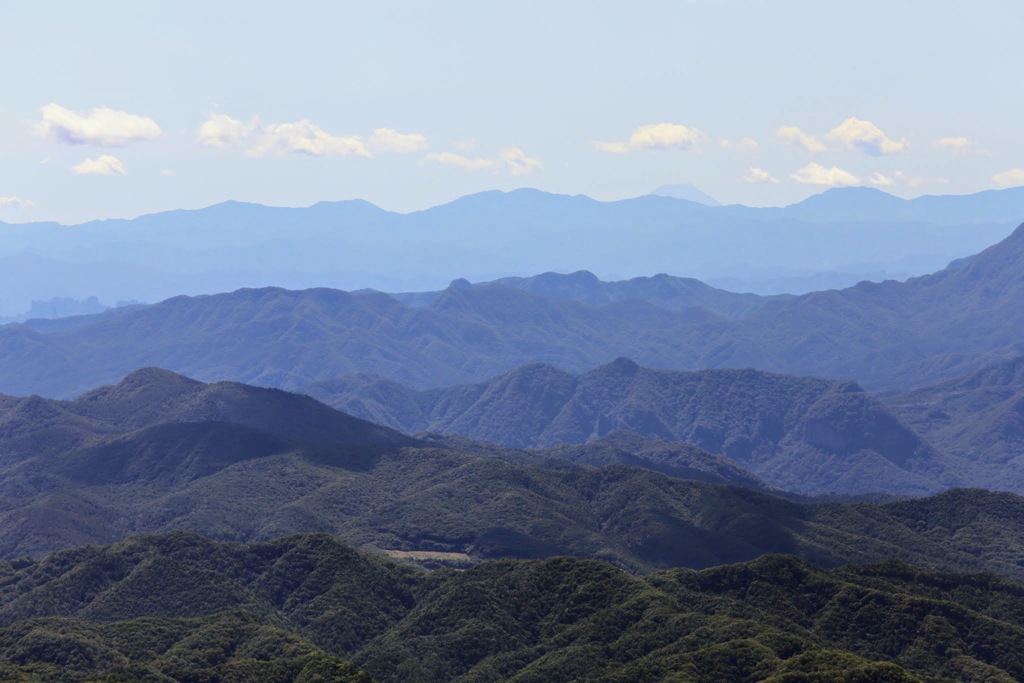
column 583, row 276
column 154, row 375
column 687, row 192
column 620, row 366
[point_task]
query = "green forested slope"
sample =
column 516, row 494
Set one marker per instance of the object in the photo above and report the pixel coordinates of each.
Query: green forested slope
column 230, row 646
column 164, row 603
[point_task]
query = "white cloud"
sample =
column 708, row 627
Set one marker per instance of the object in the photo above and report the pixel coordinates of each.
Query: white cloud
column 1011, row 178
column 257, row 139
column 390, row 140
column 664, row 136
column 761, row 176
column 452, row 159
column 610, row 147
column 102, row 127
column 17, row 202
column 166, row 172
column 961, row 146
column 795, row 137
column 881, row 180
column 956, row 144
column 102, row 165
column 866, row 137
column 304, row 137
column 654, row 136
column 741, row 145
column 220, row 131
column 816, row 174
column 518, row 163
column 513, row 159
column 901, row 179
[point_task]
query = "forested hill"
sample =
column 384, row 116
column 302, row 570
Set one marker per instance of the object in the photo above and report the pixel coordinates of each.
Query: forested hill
column 976, row 418
column 294, row 609
column 798, row 433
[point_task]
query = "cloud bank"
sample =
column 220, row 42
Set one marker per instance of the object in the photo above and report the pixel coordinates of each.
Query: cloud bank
column 794, row 137
column 961, row 145
column 816, row 174
column 866, row 137
column 1011, row 178
column 17, row 202
column 853, row 133
column 655, row 136
column 760, row 176
column 105, row 164
column 518, row 163
column 102, row 127
column 390, row 140
column 955, row 144
column 258, row 139
column 470, row 164
column 513, row 159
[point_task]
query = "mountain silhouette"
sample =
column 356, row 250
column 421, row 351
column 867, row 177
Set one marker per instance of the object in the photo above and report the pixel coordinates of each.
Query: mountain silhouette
column 841, row 236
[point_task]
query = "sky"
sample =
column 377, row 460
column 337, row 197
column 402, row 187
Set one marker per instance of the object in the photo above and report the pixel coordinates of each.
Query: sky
column 116, row 109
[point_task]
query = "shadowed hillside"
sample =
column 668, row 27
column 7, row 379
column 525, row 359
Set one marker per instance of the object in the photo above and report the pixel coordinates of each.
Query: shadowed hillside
column 797, row 433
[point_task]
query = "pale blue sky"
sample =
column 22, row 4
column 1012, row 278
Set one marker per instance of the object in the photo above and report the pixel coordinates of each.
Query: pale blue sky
column 484, row 95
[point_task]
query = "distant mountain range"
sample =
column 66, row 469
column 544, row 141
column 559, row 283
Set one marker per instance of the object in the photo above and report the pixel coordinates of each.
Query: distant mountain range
column 830, row 240
column 181, row 607
column 665, row 291
column 687, row 192
column 159, row 452
column 888, row 336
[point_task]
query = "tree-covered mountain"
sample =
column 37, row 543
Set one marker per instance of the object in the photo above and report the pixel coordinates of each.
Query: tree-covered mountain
column 797, row 433
column 161, row 452
column 229, row 646
column 674, row 458
column 886, row 336
column 353, row 244
column 178, row 603
column 977, row 418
